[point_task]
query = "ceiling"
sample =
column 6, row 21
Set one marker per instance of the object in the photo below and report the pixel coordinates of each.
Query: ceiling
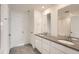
column 69, row 10
column 31, row 6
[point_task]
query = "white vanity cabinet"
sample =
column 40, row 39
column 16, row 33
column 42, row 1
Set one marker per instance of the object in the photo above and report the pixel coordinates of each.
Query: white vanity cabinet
column 45, row 46
column 48, row 47
column 42, row 45
column 38, row 43
column 54, row 50
column 32, row 41
column 63, row 48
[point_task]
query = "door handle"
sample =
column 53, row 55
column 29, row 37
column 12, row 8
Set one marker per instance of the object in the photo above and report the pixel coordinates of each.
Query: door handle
column 9, row 34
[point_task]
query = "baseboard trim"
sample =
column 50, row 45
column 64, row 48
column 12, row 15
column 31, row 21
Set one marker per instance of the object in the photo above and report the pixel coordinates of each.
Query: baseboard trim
column 19, row 45
column 28, row 44
column 37, row 50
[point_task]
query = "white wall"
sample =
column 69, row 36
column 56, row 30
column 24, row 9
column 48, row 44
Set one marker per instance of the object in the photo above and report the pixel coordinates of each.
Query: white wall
column 20, row 27
column 37, row 21
column 5, row 28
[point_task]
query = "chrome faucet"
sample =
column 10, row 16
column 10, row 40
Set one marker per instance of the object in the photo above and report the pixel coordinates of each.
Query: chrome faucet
column 69, row 37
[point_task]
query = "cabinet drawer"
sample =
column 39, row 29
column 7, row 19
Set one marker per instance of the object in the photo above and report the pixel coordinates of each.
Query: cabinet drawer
column 45, row 46
column 33, row 38
column 37, row 38
column 38, row 43
column 63, row 48
column 44, row 51
column 45, row 41
column 54, row 50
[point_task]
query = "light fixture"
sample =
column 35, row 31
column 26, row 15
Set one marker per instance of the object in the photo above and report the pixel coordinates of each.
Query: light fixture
column 43, row 7
column 67, row 11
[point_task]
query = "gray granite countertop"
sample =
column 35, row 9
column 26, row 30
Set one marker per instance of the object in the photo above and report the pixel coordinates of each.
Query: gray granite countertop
column 55, row 39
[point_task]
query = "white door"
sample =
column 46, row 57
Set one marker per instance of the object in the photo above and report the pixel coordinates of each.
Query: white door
column 19, row 28
column 16, row 29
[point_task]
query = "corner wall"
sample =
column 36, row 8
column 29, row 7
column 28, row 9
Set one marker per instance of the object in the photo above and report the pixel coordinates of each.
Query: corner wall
column 5, row 28
column 20, row 27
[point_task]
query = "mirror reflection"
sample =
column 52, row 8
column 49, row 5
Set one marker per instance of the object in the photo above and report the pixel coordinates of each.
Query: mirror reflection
column 68, row 19
column 49, row 22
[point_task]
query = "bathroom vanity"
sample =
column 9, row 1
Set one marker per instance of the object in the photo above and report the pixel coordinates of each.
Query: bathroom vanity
column 47, row 44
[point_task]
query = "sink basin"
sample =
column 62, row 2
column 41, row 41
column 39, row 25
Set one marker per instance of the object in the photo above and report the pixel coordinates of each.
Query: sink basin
column 45, row 34
column 74, row 39
column 66, row 42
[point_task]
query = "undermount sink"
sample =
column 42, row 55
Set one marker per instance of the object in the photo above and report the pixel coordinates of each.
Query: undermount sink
column 45, row 34
column 66, row 42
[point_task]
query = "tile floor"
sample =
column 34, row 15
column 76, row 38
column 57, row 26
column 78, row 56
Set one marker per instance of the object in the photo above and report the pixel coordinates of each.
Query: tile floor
column 26, row 49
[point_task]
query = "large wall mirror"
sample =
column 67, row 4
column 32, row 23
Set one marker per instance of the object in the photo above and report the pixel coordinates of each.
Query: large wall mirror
column 68, row 21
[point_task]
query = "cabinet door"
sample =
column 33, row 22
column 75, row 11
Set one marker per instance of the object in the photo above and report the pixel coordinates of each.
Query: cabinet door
column 54, row 50
column 45, row 41
column 63, row 48
column 32, row 41
column 42, row 45
column 44, row 51
column 38, row 43
column 45, row 48
column 48, row 48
